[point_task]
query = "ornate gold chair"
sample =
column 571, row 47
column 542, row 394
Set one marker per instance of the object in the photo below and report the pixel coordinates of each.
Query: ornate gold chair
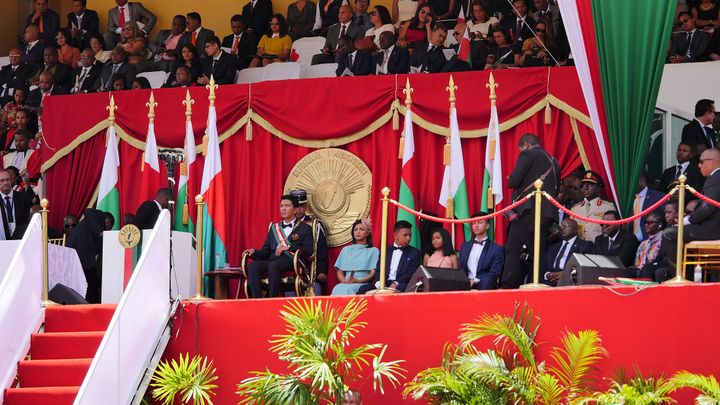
column 58, row 241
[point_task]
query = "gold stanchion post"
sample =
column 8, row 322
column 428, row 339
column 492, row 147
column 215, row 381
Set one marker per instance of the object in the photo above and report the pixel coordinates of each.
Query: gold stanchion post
column 45, row 267
column 536, row 239
column 383, row 246
column 679, row 265
column 198, row 236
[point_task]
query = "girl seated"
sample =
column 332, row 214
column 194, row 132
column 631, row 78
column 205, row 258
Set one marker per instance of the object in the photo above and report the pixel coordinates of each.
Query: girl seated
column 440, row 252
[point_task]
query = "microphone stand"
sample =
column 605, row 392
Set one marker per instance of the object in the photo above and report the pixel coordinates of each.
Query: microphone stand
column 171, row 158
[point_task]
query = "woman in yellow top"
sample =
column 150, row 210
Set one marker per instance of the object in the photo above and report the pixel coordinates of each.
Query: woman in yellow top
column 275, row 45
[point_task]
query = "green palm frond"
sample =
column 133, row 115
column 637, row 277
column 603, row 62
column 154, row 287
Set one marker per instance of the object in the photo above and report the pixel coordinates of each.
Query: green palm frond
column 549, row 389
column 389, row 370
column 637, row 390
column 268, row 388
column 707, row 385
column 186, row 379
column 576, row 360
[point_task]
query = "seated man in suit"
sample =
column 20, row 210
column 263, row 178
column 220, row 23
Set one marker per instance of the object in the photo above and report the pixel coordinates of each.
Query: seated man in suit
column 13, row 76
column 219, row 64
column 644, row 199
column 82, row 23
column 240, row 43
column 429, row 57
column 14, row 208
column 183, row 78
column 391, row 59
column 352, row 62
column 687, row 165
column 87, row 73
column 704, row 221
column 559, row 253
column 401, row 261
column 47, row 20
column 165, row 43
column 61, row 73
column 616, row 241
column 46, row 87
column 275, row 257
column 196, row 34
column 478, row 53
column 116, row 66
column 697, row 133
column 33, row 49
column 691, row 44
column 480, row 258
column 148, row 212
column 519, row 25
column 345, row 26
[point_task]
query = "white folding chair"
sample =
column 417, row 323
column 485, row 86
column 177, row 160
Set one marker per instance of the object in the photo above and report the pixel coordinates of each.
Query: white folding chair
column 4, row 60
column 321, row 70
column 249, row 75
column 156, row 79
column 282, row 71
column 306, row 48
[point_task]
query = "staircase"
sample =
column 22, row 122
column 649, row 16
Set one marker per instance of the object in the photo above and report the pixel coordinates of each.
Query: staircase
column 61, row 356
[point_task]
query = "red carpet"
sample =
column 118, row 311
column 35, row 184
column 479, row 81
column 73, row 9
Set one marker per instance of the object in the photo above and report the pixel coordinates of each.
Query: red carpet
column 61, row 356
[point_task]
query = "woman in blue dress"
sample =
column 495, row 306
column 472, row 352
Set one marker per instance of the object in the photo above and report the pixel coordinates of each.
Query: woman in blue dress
column 356, row 264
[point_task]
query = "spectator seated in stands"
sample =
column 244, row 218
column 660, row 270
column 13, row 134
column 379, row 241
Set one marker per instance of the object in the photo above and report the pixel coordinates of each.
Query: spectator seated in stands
column 650, row 259
column 429, row 57
column 67, row 53
column 275, row 45
column 416, row 30
column 706, row 14
column 480, row 24
column 361, row 16
column 189, row 59
column 519, row 25
column 380, row 22
column 671, row 213
column 118, row 83
column 478, row 53
column 503, row 53
column 690, row 45
column 70, row 221
column 8, row 119
column 644, row 199
column 592, row 206
column 241, row 43
column 539, row 50
column 329, row 13
column 16, row 207
column 165, row 44
column 616, row 241
column 686, row 165
column 134, row 43
column 46, row 87
column 13, row 76
column 46, row 19
column 440, row 252
column 140, row 83
column 87, row 73
column 301, row 18
column 61, row 73
column 352, row 62
column 183, row 78
column 24, row 120
column 127, row 12
column 569, row 193
column 22, row 154
column 558, row 254
column 697, row 133
column 344, row 26
column 401, row 262
column 116, row 66
column 98, row 47
column 357, row 263
column 21, row 185
column 196, row 34
column 219, row 64
column 480, row 258
column 257, row 15
column 32, row 49
column 391, row 59
column 82, row 23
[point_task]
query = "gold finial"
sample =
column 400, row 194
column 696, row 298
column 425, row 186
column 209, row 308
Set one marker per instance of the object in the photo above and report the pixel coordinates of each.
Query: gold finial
column 385, row 192
column 682, row 179
column 188, row 102
column 212, row 86
column 492, row 86
column 111, row 108
column 199, row 199
column 408, row 91
column 538, row 184
column 451, row 88
column 151, row 104
column 44, row 203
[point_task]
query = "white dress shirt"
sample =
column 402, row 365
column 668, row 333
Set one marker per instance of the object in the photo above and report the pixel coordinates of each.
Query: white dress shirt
column 474, row 258
column 394, row 263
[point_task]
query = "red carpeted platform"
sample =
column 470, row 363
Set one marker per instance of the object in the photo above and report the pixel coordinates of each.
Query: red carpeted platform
column 61, row 356
column 661, row 329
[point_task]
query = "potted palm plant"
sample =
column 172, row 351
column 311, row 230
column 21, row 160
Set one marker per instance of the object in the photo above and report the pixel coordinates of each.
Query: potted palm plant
column 185, row 379
column 323, row 364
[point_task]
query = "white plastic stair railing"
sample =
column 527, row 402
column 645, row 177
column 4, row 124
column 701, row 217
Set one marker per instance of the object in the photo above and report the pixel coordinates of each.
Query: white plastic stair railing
column 136, row 327
column 21, row 311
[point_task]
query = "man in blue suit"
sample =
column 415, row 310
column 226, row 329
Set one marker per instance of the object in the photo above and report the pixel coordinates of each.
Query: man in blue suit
column 391, row 59
column 401, row 262
column 559, row 253
column 644, row 198
column 480, row 258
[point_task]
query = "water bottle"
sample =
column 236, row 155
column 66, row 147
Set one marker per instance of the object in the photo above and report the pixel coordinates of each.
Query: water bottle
column 697, row 275
column 217, row 261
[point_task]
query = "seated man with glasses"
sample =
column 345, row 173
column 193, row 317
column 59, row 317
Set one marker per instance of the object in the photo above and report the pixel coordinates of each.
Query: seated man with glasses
column 219, row 64
column 649, row 260
column 690, row 45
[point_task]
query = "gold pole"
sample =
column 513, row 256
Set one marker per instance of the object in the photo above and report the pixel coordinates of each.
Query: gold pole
column 536, row 239
column 198, row 236
column 46, row 275
column 679, row 265
column 383, row 245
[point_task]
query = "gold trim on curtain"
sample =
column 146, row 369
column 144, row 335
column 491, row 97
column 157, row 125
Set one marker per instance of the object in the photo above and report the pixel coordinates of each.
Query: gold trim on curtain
column 578, row 141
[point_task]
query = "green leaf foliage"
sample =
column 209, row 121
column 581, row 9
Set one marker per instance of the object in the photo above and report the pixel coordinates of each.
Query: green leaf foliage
column 189, row 380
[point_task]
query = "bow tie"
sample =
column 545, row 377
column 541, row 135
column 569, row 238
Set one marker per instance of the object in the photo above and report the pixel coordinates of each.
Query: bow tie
column 284, row 225
column 479, row 242
column 400, row 248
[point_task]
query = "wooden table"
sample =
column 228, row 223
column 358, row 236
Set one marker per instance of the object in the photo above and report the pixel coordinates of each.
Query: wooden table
column 222, row 281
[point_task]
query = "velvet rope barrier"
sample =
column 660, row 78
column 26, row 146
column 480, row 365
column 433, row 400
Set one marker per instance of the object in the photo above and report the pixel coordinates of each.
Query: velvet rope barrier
column 462, row 221
column 703, row 197
column 614, row 222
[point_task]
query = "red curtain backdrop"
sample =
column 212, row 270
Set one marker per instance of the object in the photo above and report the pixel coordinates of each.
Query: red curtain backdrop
column 255, row 171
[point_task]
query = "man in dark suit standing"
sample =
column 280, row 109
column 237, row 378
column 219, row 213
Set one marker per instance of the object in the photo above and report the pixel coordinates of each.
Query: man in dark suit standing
column 686, row 165
column 219, row 64
column 275, row 257
column 480, row 258
column 115, row 66
column 698, row 132
column 616, row 241
column 391, row 59
column 240, row 42
column 33, row 50
column 256, row 14
column 47, row 21
column 13, row 76
column 344, row 26
column 87, row 242
column 429, row 57
column 15, row 208
column 689, row 45
column 559, row 253
column 196, row 34
column 400, row 263
column 87, row 73
column 149, row 211
column 532, row 164
column 82, row 23
column 704, row 222
column 352, row 62
column 644, row 199
column 126, row 12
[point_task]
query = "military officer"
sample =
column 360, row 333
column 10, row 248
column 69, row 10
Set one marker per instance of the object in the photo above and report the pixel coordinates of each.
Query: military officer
column 320, row 239
column 592, row 206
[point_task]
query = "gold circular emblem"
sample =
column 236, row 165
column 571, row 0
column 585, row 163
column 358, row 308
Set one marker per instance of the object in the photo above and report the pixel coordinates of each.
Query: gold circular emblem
column 339, row 187
column 129, row 236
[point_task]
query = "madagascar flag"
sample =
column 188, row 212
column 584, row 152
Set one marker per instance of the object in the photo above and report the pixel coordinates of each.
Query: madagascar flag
column 407, row 189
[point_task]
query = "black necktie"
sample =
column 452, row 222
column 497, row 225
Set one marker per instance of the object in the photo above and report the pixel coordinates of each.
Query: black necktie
column 559, row 256
column 709, row 137
column 689, row 42
column 342, row 31
column 610, row 242
column 678, row 172
column 9, row 210
column 350, row 61
column 214, row 63
column 361, row 21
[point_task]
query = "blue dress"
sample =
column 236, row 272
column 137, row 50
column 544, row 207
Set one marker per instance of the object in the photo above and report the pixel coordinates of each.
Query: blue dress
column 358, row 259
